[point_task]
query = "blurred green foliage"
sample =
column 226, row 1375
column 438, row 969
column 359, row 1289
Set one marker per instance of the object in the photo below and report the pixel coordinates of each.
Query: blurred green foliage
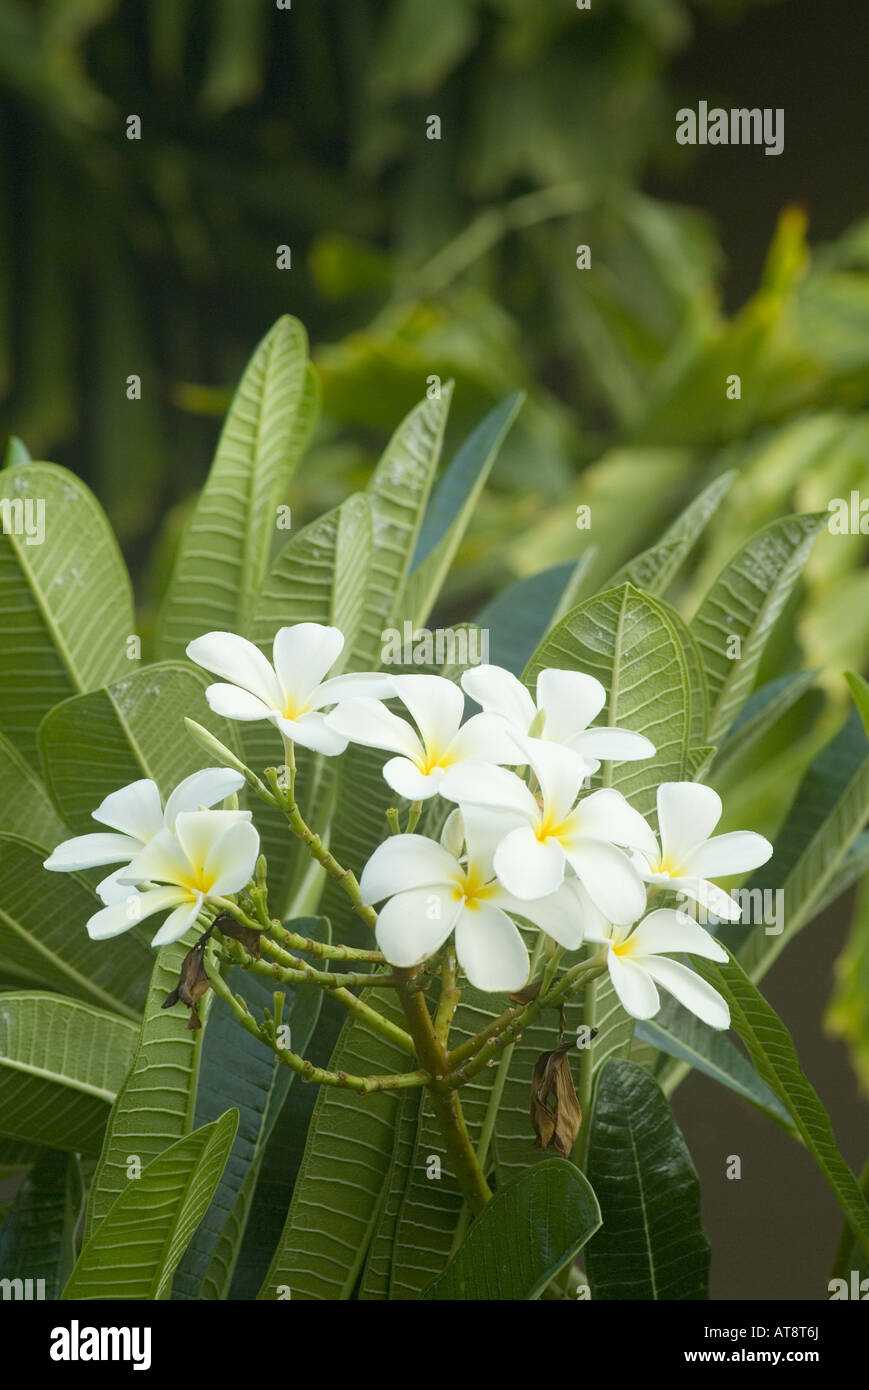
column 414, row 258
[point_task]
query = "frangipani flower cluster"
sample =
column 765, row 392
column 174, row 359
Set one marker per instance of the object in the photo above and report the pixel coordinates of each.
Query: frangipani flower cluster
column 528, row 842
column 180, row 857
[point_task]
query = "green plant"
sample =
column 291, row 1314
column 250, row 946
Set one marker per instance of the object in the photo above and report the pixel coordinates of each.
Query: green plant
column 280, row 1187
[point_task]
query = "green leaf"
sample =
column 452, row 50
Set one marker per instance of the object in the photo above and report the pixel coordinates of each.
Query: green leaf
column 17, row 453
column 65, row 604
column 398, row 492
column 651, row 1244
column 451, row 507
column 656, row 568
column 518, row 618
column 760, row 711
column 319, row 576
column 772, row 1051
column 25, row 805
column 530, row 1230
column 347, row 1157
column 155, row 1106
column 640, row 650
column 377, row 1277
column 744, row 602
column 37, row 1236
column 61, row 1066
column 829, row 811
column 43, row 937
column 93, row 744
column 238, row 1070
column 430, row 1210
column 692, row 1043
column 847, row 1013
column 136, row 1249
column 224, row 553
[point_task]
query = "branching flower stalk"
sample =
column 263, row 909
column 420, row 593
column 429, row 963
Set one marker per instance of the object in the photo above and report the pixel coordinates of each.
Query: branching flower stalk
column 534, row 846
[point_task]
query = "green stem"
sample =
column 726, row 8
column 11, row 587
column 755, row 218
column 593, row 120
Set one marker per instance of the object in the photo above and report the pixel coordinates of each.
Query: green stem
column 432, row 1055
column 300, row 1065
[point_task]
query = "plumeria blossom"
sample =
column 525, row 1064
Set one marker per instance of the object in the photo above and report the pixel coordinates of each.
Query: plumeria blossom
column 639, row 960
column 690, row 854
column 289, row 691
column 136, row 814
column 433, row 889
column 567, row 702
column 555, row 829
column 438, row 742
column 208, row 855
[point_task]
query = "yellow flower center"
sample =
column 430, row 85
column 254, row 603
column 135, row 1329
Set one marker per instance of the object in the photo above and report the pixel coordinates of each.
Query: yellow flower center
column 294, row 710
column 432, row 758
column 472, row 889
column 548, row 828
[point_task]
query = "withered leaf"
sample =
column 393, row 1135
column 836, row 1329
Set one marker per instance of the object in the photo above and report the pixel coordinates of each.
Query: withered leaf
column 555, row 1113
column 192, row 984
column 249, row 938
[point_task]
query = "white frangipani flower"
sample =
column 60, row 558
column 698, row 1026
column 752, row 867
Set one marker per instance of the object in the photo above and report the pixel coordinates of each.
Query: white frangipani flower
column 436, row 705
column 137, row 814
column 556, row 830
column 638, row 961
column 567, row 702
column 292, row 693
column 209, row 855
column 688, row 857
column 433, row 890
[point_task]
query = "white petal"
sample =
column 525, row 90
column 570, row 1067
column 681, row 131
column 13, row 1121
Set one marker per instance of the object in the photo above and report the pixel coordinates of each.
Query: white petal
column 403, row 862
column 528, row 867
column 559, row 914
column 178, row 923
column 570, row 700
column 453, row 833
column 234, row 703
column 302, row 655
column 687, row 815
column 667, row 930
column 559, row 771
column 436, row 705
column 485, row 828
column 111, row 890
column 498, row 691
column 613, row 884
column 233, row 859
column 405, row 778
column 370, row 723
column 204, row 788
column 709, row 895
column 490, row 950
column 695, row 994
column 635, row 988
column 90, row 851
column 412, row 925
column 235, row 659
column 111, row 921
column 617, row 745
column 606, row 815
column 734, row 853
column 134, row 810
column 484, row 736
column 355, row 685
column 481, row 784
column 198, row 832
column 312, row 731
column 161, row 861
